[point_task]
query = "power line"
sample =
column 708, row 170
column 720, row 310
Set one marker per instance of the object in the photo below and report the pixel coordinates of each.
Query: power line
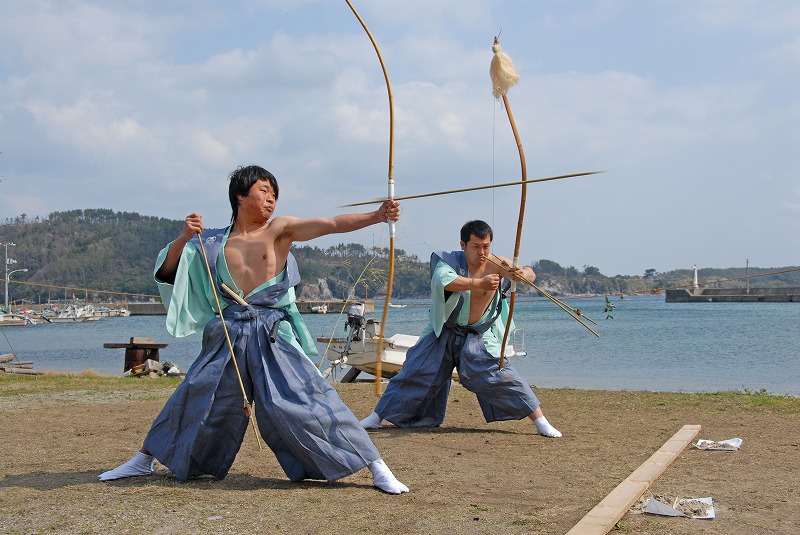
column 75, row 288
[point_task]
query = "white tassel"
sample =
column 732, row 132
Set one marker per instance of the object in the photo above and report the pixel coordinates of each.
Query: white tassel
column 502, row 71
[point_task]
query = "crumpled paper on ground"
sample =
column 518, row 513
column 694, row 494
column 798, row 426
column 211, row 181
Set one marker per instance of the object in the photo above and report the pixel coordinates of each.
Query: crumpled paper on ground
column 732, row 444
column 705, row 512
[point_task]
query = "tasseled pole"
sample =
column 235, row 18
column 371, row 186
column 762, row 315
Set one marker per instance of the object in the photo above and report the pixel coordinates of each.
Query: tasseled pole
column 504, row 76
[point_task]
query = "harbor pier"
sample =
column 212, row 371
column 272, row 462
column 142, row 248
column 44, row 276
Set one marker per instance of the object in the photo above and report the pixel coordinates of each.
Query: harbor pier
column 733, row 295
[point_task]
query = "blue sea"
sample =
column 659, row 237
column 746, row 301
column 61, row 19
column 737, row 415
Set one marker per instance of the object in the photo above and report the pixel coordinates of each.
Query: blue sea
column 648, row 345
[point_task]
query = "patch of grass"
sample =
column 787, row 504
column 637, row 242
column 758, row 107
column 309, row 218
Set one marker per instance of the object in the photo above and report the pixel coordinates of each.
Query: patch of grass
column 755, row 398
column 13, row 385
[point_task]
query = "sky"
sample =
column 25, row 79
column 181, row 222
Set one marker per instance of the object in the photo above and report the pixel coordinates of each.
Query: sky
column 690, row 109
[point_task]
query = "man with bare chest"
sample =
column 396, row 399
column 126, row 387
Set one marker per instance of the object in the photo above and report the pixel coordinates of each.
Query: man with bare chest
column 299, row 415
column 464, row 332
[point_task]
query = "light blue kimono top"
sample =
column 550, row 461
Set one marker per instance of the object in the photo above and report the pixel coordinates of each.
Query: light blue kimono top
column 190, row 301
column 443, row 274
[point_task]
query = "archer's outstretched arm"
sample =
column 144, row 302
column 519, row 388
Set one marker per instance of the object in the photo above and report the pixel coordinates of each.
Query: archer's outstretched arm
column 297, row 229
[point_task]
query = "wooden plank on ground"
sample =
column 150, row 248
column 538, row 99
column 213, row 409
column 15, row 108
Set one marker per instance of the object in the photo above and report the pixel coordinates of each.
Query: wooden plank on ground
column 607, row 513
column 23, row 371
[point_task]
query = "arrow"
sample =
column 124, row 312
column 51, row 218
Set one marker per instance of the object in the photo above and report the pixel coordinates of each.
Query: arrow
column 475, row 188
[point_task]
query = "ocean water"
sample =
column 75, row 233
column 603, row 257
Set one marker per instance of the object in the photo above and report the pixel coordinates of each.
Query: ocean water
column 648, row 345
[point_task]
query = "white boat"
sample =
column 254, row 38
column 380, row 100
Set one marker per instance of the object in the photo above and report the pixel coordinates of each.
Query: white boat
column 112, row 312
column 72, row 314
column 63, row 318
column 17, row 320
column 105, row 312
column 359, row 349
column 320, row 309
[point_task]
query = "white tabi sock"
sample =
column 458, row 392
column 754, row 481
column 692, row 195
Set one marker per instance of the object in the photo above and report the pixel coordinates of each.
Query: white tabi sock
column 373, row 421
column 384, row 479
column 545, row 429
column 140, row 465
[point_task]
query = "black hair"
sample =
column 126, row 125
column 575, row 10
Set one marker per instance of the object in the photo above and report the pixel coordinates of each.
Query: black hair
column 242, row 179
column 477, row 228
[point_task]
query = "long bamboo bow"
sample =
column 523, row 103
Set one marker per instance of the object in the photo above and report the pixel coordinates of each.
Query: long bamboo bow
column 504, row 76
column 390, row 275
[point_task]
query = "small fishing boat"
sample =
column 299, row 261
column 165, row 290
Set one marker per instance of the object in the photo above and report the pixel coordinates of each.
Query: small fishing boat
column 71, row 314
column 63, row 318
column 359, row 349
column 106, row 312
column 17, row 320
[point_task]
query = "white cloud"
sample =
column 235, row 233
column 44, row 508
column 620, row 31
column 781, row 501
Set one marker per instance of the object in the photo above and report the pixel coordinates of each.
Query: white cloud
column 688, row 106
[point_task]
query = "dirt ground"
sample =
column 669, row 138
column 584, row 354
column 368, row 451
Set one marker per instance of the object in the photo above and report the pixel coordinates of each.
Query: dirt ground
column 465, row 477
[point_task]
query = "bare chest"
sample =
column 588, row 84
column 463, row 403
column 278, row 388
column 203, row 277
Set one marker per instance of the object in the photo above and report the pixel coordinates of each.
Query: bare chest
column 250, row 263
column 478, row 303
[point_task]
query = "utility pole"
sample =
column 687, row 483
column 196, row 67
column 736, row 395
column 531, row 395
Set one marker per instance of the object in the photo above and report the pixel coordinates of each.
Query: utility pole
column 8, row 262
column 747, row 270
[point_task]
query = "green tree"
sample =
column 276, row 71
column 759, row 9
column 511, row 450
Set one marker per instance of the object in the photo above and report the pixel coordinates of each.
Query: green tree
column 591, row 271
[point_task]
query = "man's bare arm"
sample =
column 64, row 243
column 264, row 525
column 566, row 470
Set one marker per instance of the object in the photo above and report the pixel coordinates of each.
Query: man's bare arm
column 297, row 229
column 462, row 284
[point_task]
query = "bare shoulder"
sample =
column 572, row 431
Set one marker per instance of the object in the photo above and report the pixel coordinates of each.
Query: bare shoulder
column 502, row 259
column 282, row 224
column 284, row 230
column 302, row 229
column 492, row 267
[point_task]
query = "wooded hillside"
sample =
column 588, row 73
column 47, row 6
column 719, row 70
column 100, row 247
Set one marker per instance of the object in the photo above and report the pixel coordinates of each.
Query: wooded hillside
column 106, row 255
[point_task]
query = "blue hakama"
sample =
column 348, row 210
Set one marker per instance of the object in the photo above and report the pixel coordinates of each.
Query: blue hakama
column 417, row 395
column 300, row 416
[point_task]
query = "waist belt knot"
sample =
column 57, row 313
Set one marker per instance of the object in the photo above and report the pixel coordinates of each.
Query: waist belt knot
column 240, row 313
column 247, row 314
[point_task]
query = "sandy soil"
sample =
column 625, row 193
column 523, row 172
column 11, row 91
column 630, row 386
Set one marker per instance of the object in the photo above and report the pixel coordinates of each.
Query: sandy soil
column 466, row 476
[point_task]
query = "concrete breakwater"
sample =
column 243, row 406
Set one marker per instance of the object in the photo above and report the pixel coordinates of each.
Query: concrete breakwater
column 733, row 295
column 146, row 309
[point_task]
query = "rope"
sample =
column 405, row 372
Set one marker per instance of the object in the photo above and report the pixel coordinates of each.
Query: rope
column 73, row 288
